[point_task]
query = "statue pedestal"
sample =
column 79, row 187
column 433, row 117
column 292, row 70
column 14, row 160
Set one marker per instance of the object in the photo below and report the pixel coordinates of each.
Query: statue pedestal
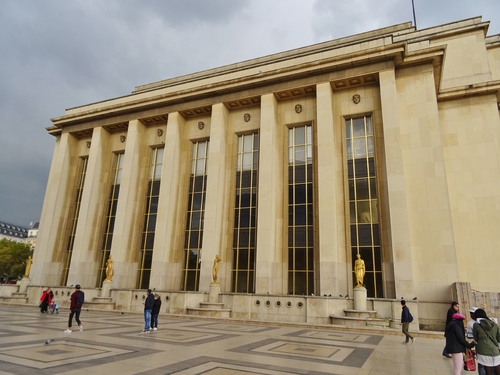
column 213, row 294
column 360, row 301
column 23, row 286
column 106, row 289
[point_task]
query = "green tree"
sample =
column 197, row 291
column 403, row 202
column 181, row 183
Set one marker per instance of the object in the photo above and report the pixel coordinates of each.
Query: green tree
column 13, row 257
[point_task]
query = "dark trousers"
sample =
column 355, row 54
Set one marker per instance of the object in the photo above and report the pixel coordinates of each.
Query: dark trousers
column 405, row 328
column 76, row 313
column 154, row 320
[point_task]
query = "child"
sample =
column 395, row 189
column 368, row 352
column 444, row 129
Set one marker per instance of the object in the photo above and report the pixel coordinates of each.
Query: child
column 155, row 312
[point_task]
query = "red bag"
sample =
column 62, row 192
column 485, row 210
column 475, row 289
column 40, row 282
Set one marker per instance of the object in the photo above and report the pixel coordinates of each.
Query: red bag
column 469, row 361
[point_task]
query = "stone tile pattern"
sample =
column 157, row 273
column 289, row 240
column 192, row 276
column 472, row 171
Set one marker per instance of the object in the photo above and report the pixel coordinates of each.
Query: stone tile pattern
column 112, row 343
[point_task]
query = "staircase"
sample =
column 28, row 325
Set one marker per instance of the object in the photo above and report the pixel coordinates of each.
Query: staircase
column 15, row 298
column 210, row 309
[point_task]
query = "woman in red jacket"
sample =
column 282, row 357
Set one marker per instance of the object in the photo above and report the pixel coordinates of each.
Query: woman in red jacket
column 45, row 300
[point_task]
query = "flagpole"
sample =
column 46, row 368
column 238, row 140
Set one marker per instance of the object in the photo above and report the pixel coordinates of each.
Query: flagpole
column 414, row 17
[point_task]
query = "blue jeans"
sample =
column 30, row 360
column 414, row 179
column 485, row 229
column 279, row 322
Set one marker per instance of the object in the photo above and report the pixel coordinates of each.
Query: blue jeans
column 147, row 319
column 480, row 369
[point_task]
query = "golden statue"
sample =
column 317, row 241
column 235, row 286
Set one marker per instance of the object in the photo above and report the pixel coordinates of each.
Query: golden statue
column 109, row 269
column 29, row 262
column 215, row 269
column 359, row 271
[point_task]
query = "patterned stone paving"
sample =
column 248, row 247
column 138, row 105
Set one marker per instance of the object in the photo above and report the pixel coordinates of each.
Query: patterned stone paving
column 111, row 343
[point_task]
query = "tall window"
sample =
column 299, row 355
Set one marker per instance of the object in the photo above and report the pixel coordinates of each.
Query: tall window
column 148, row 231
column 193, row 235
column 363, row 203
column 110, row 218
column 300, row 211
column 244, row 230
column 74, row 219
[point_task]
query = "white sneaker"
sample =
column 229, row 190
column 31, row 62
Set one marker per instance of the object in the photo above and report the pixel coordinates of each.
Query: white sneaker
column 413, row 340
column 80, row 327
column 155, row 329
column 67, row 331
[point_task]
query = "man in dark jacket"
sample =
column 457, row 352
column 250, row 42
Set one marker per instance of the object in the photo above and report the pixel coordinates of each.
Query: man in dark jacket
column 75, row 308
column 449, row 317
column 148, row 307
column 406, row 319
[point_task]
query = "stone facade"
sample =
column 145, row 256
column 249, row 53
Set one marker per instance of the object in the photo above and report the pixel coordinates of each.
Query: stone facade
column 431, row 100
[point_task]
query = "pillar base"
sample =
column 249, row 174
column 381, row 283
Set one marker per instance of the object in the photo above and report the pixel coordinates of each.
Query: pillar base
column 106, row 289
column 360, row 299
column 23, row 285
column 213, row 294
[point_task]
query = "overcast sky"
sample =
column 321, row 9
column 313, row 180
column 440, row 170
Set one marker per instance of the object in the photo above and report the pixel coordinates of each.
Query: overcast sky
column 61, row 54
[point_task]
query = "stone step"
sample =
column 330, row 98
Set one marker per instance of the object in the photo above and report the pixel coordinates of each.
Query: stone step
column 14, row 299
column 211, row 305
column 20, row 295
column 99, row 305
column 102, row 299
column 218, row 312
column 363, row 314
column 347, row 321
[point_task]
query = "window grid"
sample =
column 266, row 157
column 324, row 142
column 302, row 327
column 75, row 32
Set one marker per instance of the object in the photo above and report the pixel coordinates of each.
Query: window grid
column 110, row 219
column 193, row 234
column 300, row 211
column 245, row 211
column 148, row 232
column 74, row 219
column 363, row 203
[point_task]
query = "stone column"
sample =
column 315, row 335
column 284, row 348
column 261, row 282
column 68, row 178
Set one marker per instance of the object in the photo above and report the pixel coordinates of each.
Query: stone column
column 216, row 205
column 83, row 267
column 399, row 232
column 129, row 218
column 170, row 223
column 331, row 262
column 51, row 241
column 269, row 258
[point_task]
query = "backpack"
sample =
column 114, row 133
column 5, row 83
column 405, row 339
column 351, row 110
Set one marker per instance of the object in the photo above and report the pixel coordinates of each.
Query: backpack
column 80, row 299
column 410, row 317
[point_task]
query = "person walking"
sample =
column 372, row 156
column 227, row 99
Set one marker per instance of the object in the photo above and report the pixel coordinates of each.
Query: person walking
column 155, row 312
column 148, row 308
column 456, row 342
column 77, row 300
column 487, row 337
column 449, row 317
column 406, row 319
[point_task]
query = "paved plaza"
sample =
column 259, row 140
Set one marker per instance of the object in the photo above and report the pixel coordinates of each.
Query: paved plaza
column 112, row 343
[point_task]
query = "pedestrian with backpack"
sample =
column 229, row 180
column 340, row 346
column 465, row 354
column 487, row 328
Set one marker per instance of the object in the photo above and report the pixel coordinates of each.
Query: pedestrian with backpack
column 77, row 300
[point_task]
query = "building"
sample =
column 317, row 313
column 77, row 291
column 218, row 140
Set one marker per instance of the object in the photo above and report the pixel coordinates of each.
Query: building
column 384, row 144
column 32, row 234
column 13, row 232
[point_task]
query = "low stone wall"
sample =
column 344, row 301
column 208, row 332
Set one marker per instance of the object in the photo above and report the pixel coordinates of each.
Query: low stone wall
column 428, row 315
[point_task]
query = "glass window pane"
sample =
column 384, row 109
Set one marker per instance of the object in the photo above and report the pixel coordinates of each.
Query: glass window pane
column 300, row 156
column 247, row 143
column 364, row 215
column 201, row 149
column 200, row 167
column 358, row 126
column 247, row 161
column 359, row 148
column 362, row 188
column 369, row 127
column 300, row 135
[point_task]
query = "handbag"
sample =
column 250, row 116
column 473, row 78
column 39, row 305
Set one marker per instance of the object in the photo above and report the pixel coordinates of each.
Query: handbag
column 469, row 361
